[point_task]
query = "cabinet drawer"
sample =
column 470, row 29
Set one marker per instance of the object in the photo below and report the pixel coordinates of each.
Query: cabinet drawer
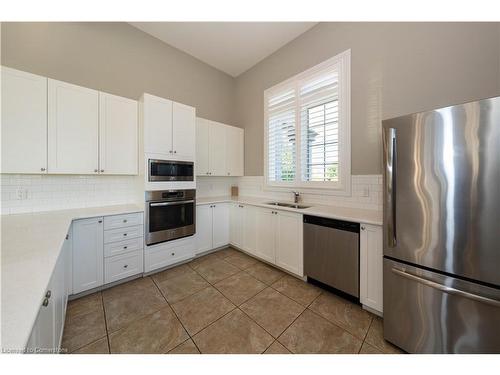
column 121, row 266
column 122, row 221
column 122, row 247
column 121, row 234
column 163, row 255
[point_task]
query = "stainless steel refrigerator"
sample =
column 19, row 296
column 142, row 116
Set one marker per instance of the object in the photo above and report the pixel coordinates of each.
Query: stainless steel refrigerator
column 442, row 229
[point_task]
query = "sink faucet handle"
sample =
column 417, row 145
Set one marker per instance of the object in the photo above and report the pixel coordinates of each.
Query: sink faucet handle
column 296, row 196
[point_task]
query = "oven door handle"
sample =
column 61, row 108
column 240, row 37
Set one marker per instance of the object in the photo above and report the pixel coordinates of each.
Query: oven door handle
column 170, row 203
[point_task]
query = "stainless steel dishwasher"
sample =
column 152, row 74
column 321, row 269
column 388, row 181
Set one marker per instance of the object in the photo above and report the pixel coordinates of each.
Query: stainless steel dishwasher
column 331, row 253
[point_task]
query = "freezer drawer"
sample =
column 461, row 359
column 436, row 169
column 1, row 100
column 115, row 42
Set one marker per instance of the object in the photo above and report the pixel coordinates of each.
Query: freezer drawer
column 427, row 312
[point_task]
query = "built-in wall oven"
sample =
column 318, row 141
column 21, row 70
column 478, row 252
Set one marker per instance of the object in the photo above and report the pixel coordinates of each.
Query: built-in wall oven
column 170, row 170
column 170, row 214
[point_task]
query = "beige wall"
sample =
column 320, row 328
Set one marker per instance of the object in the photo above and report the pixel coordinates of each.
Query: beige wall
column 395, row 69
column 119, row 59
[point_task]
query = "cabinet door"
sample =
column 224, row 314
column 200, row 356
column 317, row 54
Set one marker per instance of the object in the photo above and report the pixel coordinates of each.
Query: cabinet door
column 43, row 339
column 217, row 149
column 203, row 228
column 73, row 130
column 234, row 151
column 68, row 248
column 237, row 215
column 157, row 119
column 88, row 254
column 58, row 297
column 183, row 132
column 371, row 266
column 117, row 135
column 202, row 147
column 265, row 234
column 289, row 242
column 220, row 224
column 250, row 229
column 24, row 122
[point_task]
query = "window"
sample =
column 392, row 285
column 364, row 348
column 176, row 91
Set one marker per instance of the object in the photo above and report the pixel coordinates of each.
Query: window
column 307, row 122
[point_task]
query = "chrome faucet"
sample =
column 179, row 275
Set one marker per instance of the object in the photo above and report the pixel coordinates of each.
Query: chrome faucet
column 296, row 196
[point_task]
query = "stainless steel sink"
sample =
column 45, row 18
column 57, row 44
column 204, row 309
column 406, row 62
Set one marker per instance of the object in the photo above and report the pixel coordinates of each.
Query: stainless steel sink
column 289, row 205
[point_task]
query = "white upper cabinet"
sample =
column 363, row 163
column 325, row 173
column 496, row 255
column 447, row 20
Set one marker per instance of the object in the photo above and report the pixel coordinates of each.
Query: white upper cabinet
column 202, row 148
column 183, row 132
column 24, row 122
column 217, row 149
column 157, row 114
column 73, row 128
column 117, row 135
column 234, row 151
column 169, row 128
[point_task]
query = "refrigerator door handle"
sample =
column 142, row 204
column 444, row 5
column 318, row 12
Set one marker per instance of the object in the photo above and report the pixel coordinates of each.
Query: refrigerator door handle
column 446, row 289
column 390, row 182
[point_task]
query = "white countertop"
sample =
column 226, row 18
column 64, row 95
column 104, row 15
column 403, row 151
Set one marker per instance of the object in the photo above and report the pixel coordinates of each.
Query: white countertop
column 357, row 215
column 31, row 244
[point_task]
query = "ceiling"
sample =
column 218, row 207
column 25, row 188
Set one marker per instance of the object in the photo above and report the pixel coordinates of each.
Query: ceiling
column 232, row 47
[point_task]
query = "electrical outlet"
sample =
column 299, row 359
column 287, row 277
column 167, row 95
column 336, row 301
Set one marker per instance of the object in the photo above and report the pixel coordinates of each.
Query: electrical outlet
column 22, row 194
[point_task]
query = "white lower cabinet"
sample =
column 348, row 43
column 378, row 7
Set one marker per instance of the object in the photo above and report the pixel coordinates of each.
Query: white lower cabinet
column 272, row 235
column 47, row 331
column 266, row 234
column 168, row 253
column 88, row 254
column 370, row 267
column 212, row 226
column 289, row 242
column 121, row 266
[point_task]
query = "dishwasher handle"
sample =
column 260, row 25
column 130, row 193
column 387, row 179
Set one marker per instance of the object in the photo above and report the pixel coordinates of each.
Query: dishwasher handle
column 332, row 223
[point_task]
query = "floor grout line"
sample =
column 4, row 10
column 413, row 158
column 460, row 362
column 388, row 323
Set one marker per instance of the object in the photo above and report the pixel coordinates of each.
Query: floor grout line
column 105, row 323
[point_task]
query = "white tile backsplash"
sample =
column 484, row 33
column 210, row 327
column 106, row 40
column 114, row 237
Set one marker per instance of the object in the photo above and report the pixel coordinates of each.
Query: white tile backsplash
column 33, row 193
column 214, row 186
column 366, row 192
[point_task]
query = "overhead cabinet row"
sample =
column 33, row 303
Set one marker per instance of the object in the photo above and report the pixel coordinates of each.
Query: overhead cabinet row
column 50, row 126
column 219, row 149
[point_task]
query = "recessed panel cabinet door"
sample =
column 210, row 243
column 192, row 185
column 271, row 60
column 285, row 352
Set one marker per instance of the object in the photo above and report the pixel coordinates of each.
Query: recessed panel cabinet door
column 234, row 151
column 203, row 228
column 236, row 224
column 265, row 235
column 250, row 229
column 183, row 132
column 24, row 122
column 289, row 242
column 217, row 157
column 117, row 135
column 73, row 128
column 371, row 267
column 220, row 217
column 202, row 147
column 157, row 114
column 88, row 254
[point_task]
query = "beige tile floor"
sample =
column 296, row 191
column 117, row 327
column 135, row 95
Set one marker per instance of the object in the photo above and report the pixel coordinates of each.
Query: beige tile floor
column 224, row 302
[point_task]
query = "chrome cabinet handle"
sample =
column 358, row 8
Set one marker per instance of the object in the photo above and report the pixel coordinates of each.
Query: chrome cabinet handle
column 124, row 220
column 48, row 294
column 125, row 266
column 96, row 170
column 125, row 247
column 446, row 289
column 390, row 162
column 125, row 234
column 43, row 169
column 362, row 227
column 173, row 254
column 102, row 170
column 175, row 152
column 45, row 302
column 100, row 221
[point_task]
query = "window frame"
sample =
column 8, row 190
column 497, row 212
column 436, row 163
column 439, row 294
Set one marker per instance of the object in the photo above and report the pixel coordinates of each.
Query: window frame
column 343, row 186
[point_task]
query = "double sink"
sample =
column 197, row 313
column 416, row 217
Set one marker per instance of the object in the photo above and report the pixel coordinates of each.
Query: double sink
column 289, row 205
